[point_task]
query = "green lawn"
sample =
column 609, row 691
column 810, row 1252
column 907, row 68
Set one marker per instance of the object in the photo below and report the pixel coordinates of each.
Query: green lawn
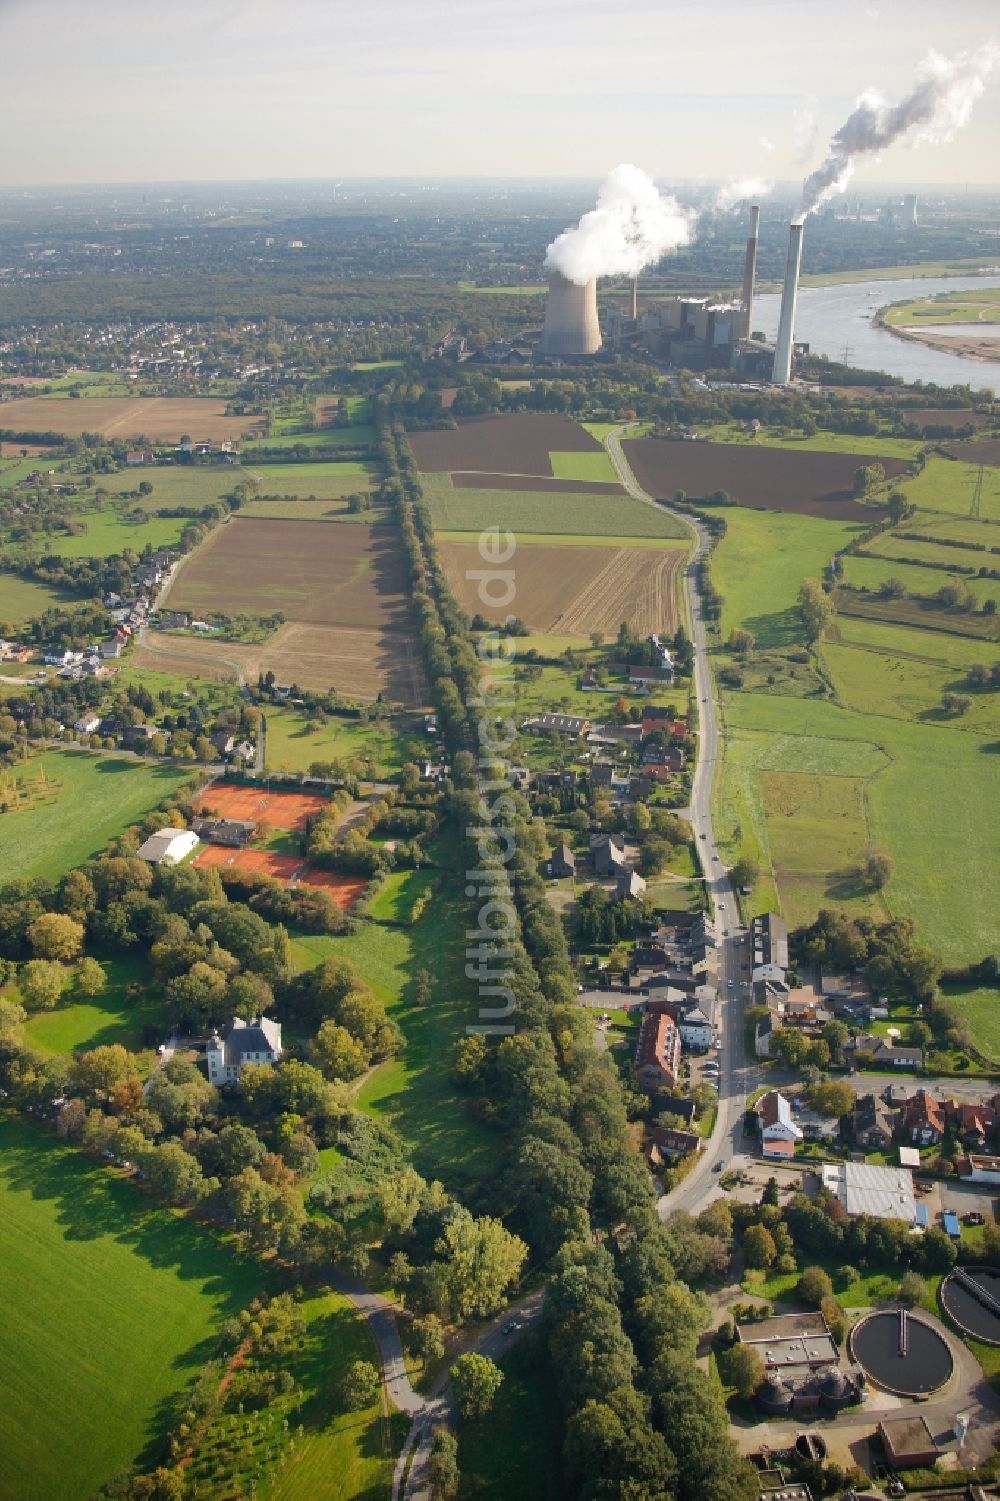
column 75, row 1025
column 20, row 599
column 514, row 1452
column 544, row 512
column 320, row 481
column 585, row 466
column 759, row 566
column 385, row 745
column 91, row 798
column 871, row 573
column 414, row 1092
column 948, row 484
column 110, row 1306
column 394, row 901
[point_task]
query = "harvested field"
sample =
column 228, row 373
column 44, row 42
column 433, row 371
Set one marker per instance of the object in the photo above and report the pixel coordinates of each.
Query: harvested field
column 809, row 483
column 342, row 587
column 279, row 808
column 163, row 419
column 519, row 444
column 576, row 590
column 986, row 451
column 537, row 483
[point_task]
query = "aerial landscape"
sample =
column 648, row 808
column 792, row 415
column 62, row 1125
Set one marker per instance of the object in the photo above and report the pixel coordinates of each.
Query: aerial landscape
column 499, row 752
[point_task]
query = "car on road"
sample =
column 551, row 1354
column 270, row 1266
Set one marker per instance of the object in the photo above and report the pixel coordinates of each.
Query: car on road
column 722, row 906
column 511, row 1327
column 718, row 1166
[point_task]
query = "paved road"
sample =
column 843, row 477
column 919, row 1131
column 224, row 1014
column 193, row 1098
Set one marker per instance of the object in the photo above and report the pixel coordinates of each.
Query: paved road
column 737, row 1074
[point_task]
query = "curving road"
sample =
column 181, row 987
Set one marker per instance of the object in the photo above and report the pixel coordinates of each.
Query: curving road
column 737, row 1074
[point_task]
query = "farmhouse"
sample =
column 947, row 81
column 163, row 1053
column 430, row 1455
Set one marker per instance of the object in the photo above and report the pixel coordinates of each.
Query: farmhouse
column 658, row 1054
column 643, row 676
column 778, row 1131
column 608, row 851
column 241, row 1042
column 884, row 1193
column 562, row 861
column 168, row 846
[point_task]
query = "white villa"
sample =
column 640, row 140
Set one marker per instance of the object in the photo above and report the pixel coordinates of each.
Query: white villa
column 240, row 1042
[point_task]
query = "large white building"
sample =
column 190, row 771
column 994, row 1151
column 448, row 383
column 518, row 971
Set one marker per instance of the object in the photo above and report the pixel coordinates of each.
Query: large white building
column 240, row 1042
column 885, row 1193
column 170, row 845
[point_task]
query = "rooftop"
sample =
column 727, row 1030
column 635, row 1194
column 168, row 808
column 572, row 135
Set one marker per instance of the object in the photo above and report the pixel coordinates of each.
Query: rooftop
column 886, row 1193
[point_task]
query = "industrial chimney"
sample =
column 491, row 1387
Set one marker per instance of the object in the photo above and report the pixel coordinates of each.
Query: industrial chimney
column 633, row 298
column 571, row 326
column 749, row 272
column 782, row 373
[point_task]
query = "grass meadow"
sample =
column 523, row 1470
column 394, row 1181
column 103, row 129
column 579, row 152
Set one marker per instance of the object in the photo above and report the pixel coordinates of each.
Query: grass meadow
column 948, row 485
column 76, row 1024
column 819, row 442
column 586, row 466
column 515, row 1449
column 21, row 599
column 979, row 1007
column 386, row 745
column 395, row 899
column 106, row 533
column 548, row 512
column 865, row 572
column 319, row 481
column 85, row 800
column 414, row 1093
column 110, row 1306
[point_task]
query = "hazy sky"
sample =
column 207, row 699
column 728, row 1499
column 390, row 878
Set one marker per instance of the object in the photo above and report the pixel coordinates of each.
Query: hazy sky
column 147, row 90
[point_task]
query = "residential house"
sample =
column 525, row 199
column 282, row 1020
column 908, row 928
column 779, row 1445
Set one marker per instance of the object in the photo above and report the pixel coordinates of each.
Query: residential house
column 649, row 955
column 602, row 774
column 240, row 1042
column 768, row 947
column 224, row 741
column 816, row 1126
column 88, row 724
column 608, row 851
column 980, row 1169
column 885, row 1054
column 763, row 1032
column 655, row 718
column 778, row 1131
column 638, row 788
column 973, row 1123
column 139, row 456
column 923, row 1120
column 651, row 676
column 630, row 885
column 670, row 1142
column 698, row 1018
column 873, row 1123
column 111, row 649
column 137, row 736
column 168, row 846
column 562, row 861
column 673, row 1104
column 658, row 1054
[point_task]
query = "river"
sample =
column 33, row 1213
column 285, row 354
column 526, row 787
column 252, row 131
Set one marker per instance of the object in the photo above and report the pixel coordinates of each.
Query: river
column 830, row 318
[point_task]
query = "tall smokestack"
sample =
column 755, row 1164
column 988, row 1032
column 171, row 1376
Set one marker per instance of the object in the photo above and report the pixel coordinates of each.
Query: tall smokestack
column 782, row 373
column 571, row 326
column 749, row 272
column 633, row 298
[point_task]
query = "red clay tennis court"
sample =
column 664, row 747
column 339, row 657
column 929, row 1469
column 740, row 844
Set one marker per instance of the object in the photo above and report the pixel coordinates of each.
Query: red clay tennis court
column 280, row 809
column 344, row 890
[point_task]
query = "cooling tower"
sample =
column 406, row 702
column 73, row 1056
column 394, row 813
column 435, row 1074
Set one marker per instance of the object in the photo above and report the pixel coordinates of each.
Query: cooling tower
column 571, row 326
column 782, row 373
column 749, row 272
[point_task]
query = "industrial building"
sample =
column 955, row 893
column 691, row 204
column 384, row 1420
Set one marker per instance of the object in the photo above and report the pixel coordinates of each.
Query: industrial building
column 885, row 1193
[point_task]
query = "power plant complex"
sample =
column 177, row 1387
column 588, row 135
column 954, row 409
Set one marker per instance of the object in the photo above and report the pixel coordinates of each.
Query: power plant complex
column 692, row 333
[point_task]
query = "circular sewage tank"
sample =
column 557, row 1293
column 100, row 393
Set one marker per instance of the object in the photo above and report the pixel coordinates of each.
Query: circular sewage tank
column 902, row 1353
column 971, row 1296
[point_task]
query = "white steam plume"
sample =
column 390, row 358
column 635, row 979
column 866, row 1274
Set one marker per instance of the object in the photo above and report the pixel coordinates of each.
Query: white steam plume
column 743, row 190
column 933, row 112
column 633, row 226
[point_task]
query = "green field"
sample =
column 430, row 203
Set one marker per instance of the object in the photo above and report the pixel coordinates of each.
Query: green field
column 515, row 1450
column 394, row 901
column 932, row 807
column 414, row 1093
column 386, row 745
column 980, row 305
column 948, row 485
column 308, row 510
column 91, row 798
column 359, row 436
column 110, row 1306
column 979, row 1007
column 883, row 446
column 871, row 573
column 321, row 481
column 957, row 267
column 544, row 512
column 175, row 484
column 759, row 566
column 76, row 1025
column 20, row 599
column 586, row 466
column 106, row 533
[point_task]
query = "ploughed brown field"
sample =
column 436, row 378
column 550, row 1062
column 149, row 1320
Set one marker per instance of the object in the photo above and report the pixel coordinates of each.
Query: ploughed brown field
column 162, row 419
column 986, row 451
column 342, row 587
column 519, row 444
column 946, row 417
column 808, row 483
column 571, row 591
column 533, row 483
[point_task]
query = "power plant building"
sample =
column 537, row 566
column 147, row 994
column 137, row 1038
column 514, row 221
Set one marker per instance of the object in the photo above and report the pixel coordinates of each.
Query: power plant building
column 694, row 333
column 571, row 327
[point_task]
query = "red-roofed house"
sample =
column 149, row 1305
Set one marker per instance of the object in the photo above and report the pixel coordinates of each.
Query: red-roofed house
column 924, row 1119
column 658, row 1054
